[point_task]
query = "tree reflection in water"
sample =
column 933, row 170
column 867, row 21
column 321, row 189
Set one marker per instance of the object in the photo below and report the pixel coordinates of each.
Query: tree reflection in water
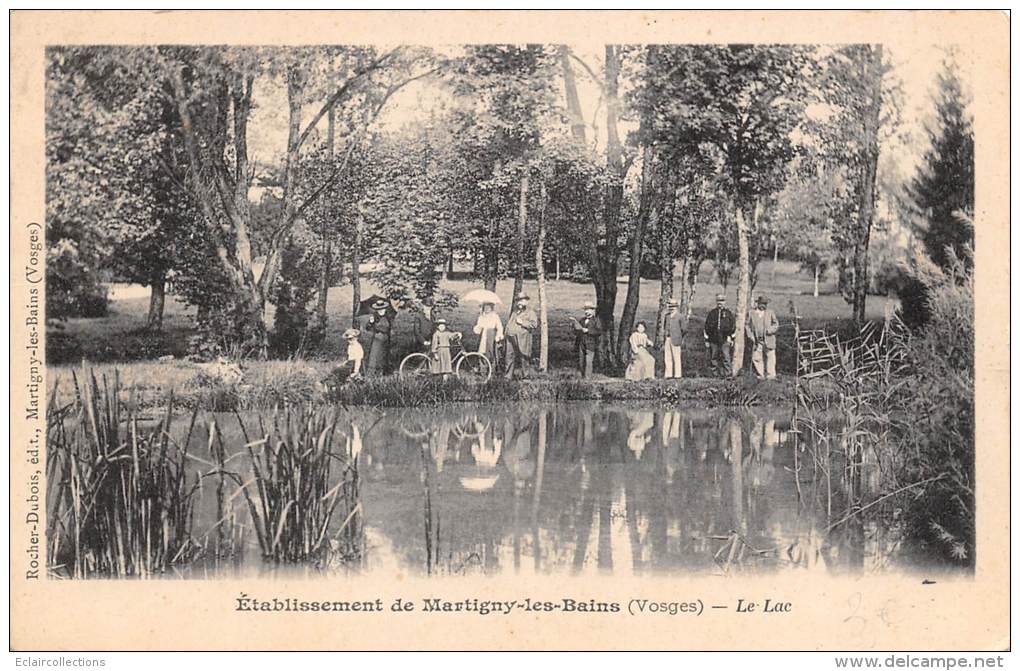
column 601, row 489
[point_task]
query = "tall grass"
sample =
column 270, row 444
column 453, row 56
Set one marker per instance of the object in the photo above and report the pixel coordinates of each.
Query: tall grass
column 858, row 381
column 905, row 445
column 301, row 477
column 120, row 502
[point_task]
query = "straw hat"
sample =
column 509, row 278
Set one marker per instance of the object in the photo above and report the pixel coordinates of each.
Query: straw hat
column 380, row 305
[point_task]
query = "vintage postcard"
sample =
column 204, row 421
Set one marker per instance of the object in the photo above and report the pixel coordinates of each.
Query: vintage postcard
column 509, row 330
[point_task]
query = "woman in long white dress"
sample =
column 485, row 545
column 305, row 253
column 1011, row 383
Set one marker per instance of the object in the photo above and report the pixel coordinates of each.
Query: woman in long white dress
column 490, row 327
column 642, row 363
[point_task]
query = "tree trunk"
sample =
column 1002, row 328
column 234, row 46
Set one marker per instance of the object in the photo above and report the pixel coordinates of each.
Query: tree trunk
column 322, row 316
column 689, row 279
column 522, row 227
column 356, row 271
column 491, row 264
column 603, row 251
column 665, row 295
column 608, row 253
column 743, row 290
column 775, row 261
column 234, row 260
column 755, row 258
column 573, row 100
column 279, row 239
column 869, row 169
column 630, row 303
column 816, row 280
column 157, row 301
column 543, row 309
column 490, row 261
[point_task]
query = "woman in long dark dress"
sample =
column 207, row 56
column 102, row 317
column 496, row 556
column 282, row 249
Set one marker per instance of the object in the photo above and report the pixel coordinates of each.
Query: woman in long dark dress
column 380, row 324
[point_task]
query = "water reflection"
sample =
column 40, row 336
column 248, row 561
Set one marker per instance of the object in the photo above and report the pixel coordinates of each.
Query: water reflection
column 583, row 489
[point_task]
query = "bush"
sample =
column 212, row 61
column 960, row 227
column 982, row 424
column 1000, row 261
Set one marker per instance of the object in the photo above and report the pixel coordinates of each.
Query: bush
column 73, row 288
column 940, row 404
column 63, row 347
column 906, row 403
column 891, row 278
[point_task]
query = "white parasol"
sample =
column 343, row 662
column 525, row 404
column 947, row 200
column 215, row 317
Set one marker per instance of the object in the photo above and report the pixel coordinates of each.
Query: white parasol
column 482, row 296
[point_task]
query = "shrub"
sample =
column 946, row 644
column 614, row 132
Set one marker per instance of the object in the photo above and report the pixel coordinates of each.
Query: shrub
column 940, row 404
column 906, row 401
column 63, row 347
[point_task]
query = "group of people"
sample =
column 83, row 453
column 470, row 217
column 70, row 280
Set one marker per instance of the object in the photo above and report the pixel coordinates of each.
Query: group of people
column 517, row 340
column 430, row 334
column 720, row 327
column 511, row 349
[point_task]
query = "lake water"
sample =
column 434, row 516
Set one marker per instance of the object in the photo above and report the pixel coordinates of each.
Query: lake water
column 588, row 489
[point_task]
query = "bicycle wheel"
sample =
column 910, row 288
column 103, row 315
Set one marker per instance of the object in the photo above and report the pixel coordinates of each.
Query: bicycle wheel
column 474, row 366
column 416, row 365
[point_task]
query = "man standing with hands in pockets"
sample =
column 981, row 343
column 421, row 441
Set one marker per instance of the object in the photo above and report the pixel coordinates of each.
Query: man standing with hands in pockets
column 761, row 330
column 675, row 329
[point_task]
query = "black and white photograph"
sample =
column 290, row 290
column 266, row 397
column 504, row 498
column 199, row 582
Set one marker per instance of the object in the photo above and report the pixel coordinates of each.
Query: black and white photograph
column 584, row 310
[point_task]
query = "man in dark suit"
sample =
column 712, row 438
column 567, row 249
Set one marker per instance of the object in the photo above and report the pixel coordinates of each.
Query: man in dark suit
column 422, row 327
column 586, row 340
column 720, row 325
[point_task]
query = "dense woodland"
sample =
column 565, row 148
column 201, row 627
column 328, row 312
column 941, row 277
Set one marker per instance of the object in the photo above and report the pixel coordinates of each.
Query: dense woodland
column 686, row 154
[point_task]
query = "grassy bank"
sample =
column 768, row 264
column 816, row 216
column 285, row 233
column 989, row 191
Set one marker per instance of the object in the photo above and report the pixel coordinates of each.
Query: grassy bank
column 121, row 336
column 266, row 384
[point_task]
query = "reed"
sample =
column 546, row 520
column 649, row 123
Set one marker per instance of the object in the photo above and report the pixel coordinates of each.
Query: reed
column 119, row 502
column 302, row 478
column 852, row 418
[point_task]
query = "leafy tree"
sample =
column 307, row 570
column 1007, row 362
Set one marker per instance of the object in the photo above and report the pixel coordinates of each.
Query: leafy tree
column 594, row 203
column 862, row 101
column 100, row 193
column 944, row 185
column 212, row 91
column 803, row 223
column 734, row 106
column 405, row 214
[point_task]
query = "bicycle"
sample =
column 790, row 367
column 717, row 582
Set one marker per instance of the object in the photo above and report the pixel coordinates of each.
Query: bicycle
column 473, row 366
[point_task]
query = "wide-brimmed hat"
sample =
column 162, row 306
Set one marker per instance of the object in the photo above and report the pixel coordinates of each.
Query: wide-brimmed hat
column 589, row 306
column 523, row 297
column 440, row 321
column 720, row 298
column 380, row 305
column 672, row 303
column 764, row 300
column 352, row 333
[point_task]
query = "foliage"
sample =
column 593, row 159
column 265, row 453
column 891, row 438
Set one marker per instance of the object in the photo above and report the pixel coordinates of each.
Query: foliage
column 941, row 403
column 944, row 186
column 406, row 213
column 803, row 220
column 300, row 478
column 906, row 404
column 293, row 291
